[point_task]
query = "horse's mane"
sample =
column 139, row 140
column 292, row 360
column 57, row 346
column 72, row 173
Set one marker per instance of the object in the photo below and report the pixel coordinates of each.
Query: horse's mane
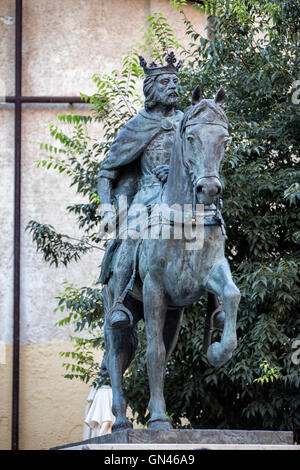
column 213, row 110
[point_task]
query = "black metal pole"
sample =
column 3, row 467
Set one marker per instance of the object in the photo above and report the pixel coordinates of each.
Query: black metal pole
column 18, row 99
column 17, row 218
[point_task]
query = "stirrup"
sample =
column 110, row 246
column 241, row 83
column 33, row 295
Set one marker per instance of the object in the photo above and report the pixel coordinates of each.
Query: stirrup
column 119, row 316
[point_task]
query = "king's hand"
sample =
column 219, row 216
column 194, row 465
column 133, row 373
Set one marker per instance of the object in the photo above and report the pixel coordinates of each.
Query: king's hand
column 161, row 172
column 107, row 224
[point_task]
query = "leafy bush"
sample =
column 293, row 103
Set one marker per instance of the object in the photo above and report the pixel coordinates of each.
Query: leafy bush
column 253, row 52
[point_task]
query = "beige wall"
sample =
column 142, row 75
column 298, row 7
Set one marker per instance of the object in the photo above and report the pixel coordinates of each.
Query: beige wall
column 5, row 396
column 51, row 407
column 64, row 43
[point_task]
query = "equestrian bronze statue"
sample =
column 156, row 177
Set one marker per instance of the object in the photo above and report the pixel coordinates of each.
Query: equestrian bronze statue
column 163, row 173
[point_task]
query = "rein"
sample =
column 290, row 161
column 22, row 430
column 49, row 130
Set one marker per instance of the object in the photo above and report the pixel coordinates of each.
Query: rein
column 210, row 216
column 217, row 214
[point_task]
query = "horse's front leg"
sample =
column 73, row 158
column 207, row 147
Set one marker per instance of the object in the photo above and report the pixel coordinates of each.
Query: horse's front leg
column 220, row 282
column 155, row 308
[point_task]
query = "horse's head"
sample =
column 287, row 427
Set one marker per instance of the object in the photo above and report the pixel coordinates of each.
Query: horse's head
column 204, row 131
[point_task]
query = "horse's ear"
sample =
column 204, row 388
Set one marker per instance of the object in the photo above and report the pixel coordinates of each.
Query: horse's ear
column 197, row 95
column 220, row 97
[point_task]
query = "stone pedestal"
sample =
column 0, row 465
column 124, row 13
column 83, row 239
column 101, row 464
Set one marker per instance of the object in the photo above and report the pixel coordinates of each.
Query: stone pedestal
column 189, row 439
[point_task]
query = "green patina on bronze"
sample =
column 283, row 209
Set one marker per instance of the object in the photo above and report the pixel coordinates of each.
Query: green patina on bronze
column 175, row 158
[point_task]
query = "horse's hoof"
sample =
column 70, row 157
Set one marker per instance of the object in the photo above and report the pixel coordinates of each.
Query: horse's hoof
column 121, row 426
column 162, row 424
column 119, row 319
column 216, row 355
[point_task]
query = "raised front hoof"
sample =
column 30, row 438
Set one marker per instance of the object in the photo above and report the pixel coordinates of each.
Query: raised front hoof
column 121, row 425
column 119, row 319
column 216, row 354
column 160, row 424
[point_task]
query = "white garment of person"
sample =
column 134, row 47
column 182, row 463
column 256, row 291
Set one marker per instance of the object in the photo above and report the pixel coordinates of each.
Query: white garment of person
column 99, row 418
column 86, row 428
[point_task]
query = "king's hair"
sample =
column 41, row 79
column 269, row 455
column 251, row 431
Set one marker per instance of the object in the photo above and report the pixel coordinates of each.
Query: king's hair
column 149, row 91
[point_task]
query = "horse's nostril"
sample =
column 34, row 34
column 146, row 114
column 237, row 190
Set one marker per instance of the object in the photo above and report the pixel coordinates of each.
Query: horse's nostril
column 209, row 188
column 199, row 188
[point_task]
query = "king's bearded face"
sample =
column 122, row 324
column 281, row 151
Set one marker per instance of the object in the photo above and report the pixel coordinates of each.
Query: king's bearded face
column 166, row 89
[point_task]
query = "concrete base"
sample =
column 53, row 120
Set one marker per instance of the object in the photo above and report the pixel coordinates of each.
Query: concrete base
column 186, row 438
column 179, row 447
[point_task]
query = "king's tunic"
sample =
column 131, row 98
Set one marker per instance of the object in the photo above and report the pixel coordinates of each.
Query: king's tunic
column 142, row 144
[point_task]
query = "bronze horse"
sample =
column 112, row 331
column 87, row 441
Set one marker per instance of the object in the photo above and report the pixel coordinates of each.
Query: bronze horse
column 170, row 277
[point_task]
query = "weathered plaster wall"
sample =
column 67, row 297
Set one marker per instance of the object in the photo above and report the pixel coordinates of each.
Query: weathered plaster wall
column 64, row 43
column 5, row 395
column 6, row 223
column 7, row 53
column 52, row 407
column 46, row 195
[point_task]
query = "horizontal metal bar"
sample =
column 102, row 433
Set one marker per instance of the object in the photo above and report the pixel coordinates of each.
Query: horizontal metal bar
column 45, row 99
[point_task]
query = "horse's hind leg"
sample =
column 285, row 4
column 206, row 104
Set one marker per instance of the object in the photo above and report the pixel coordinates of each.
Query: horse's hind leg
column 155, row 309
column 120, row 346
column 220, row 282
column 121, row 351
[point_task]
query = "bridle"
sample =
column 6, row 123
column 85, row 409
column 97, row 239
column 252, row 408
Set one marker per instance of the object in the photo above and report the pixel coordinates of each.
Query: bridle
column 207, row 208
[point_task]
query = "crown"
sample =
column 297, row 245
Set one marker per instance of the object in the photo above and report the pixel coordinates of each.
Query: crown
column 154, row 69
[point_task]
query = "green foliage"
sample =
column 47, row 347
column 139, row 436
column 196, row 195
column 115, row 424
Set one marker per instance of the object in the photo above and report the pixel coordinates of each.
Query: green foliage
column 56, row 247
column 254, row 55
column 117, row 99
column 85, row 313
column 158, row 39
column 83, row 365
column 205, row 6
column 270, row 373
